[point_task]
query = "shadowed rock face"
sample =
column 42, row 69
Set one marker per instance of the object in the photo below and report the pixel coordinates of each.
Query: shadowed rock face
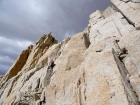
column 1, row 76
column 17, row 66
column 99, row 66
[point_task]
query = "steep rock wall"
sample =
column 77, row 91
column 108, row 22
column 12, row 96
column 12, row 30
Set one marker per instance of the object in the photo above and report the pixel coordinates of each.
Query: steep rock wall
column 99, row 66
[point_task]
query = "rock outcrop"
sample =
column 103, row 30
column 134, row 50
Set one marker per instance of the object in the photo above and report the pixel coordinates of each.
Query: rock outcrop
column 99, row 66
column 130, row 9
column 1, row 76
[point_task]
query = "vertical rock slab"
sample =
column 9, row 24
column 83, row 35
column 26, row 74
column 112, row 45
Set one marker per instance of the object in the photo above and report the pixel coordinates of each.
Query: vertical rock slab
column 108, row 27
column 17, row 66
column 135, row 82
column 130, row 9
column 95, row 17
column 125, row 82
column 108, row 12
column 68, row 81
column 42, row 45
column 131, row 44
column 103, row 80
column 1, row 76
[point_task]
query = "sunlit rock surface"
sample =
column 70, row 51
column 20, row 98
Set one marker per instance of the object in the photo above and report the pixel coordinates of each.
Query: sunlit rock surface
column 99, row 66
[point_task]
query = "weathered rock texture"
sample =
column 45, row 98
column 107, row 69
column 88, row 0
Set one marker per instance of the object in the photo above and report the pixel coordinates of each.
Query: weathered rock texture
column 99, row 66
column 1, row 76
column 130, row 9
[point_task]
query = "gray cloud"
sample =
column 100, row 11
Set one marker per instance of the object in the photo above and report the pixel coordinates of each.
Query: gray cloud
column 3, row 68
column 22, row 22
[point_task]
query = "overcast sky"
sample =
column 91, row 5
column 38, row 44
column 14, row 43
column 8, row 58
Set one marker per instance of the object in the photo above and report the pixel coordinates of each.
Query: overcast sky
column 22, row 22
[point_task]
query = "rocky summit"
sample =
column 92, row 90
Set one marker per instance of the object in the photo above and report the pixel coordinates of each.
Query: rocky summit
column 99, row 66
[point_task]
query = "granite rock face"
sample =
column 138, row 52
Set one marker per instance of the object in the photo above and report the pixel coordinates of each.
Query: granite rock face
column 130, row 9
column 99, row 66
column 1, row 76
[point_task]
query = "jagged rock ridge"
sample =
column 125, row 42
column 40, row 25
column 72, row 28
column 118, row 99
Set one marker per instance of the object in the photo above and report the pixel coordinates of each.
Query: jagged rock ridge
column 99, row 66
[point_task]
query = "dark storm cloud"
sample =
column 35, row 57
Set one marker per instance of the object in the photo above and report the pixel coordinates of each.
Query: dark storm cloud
column 10, row 49
column 3, row 68
column 24, row 21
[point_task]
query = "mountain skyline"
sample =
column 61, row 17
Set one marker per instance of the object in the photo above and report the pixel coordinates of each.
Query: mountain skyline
column 22, row 22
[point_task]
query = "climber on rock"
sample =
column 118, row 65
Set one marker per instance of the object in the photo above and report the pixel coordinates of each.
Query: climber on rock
column 51, row 64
